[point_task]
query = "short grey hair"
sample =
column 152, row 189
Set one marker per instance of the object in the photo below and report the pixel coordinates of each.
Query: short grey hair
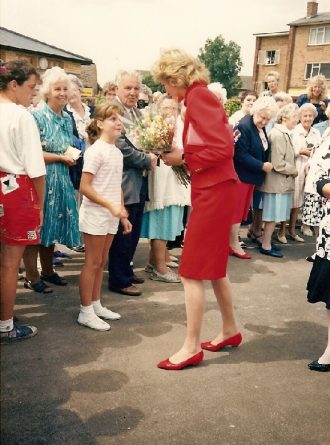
column 49, row 77
column 76, row 81
column 307, row 107
column 285, row 97
column 219, row 90
column 264, row 104
column 146, row 90
column 285, row 112
column 123, row 73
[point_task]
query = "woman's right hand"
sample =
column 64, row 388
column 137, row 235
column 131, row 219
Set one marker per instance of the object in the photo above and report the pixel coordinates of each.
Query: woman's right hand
column 117, row 210
column 67, row 160
column 267, row 167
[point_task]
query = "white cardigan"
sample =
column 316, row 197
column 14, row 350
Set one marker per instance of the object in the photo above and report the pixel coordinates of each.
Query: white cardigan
column 165, row 189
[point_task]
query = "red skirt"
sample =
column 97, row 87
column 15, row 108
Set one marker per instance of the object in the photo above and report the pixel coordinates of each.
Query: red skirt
column 206, row 243
column 244, row 200
column 19, row 210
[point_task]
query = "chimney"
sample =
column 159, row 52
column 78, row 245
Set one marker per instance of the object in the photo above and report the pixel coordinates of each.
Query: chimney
column 312, row 9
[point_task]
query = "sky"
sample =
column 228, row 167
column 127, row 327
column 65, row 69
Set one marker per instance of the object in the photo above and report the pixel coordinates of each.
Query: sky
column 129, row 34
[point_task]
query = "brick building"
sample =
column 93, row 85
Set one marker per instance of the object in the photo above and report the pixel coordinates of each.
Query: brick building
column 42, row 56
column 297, row 54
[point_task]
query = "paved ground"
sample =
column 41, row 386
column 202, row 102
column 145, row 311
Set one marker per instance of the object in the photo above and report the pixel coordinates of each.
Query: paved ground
column 71, row 385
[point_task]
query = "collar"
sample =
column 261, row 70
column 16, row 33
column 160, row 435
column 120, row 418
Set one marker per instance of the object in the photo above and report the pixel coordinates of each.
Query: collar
column 192, row 87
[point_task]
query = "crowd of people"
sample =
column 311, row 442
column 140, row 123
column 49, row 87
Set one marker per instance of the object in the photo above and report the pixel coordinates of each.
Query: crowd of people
column 71, row 174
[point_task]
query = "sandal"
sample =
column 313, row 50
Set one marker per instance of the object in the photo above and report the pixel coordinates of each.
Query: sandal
column 54, row 279
column 40, row 286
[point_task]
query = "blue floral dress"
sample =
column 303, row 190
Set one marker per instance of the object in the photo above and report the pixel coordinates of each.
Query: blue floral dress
column 60, row 209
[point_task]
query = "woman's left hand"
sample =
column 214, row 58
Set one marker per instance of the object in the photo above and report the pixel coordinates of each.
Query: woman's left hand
column 173, row 158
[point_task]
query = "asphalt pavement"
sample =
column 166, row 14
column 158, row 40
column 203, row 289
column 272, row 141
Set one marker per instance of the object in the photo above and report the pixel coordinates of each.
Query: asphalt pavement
column 75, row 386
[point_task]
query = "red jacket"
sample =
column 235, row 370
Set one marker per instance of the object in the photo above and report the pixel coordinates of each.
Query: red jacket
column 207, row 138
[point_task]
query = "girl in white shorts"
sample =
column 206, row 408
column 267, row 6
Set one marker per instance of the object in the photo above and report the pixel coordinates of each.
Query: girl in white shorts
column 100, row 212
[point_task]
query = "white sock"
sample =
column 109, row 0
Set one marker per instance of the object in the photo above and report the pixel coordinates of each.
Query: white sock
column 87, row 309
column 6, row 325
column 97, row 304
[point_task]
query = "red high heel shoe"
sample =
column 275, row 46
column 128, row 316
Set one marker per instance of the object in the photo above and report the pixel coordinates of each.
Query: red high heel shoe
column 242, row 256
column 234, row 341
column 192, row 361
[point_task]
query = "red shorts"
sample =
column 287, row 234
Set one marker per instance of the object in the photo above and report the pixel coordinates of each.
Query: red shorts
column 245, row 193
column 19, row 210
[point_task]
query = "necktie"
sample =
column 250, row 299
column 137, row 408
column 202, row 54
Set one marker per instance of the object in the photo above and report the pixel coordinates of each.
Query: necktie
column 132, row 115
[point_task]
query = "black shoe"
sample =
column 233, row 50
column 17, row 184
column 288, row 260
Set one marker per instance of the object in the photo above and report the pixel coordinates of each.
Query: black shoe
column 316, row 366
column 137, row 280
column 311, row 258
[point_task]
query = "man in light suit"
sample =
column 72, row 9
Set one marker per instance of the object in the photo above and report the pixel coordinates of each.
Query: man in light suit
column 134, row 185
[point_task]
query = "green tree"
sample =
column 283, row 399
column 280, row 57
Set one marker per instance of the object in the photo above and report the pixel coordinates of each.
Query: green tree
column 149, row 81
column 224, row 62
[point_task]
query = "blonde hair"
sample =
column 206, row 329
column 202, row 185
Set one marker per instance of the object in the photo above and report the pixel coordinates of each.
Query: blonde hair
column 179, row 69
column 102, row 112
column 274, row 74
column 285, row 112
column 317, row 80
column 264, row 104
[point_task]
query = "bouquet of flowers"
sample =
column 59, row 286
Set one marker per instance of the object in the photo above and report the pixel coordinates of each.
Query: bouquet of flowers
column 154, row 134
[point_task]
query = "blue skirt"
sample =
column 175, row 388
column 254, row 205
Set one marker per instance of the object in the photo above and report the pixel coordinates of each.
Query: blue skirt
column 276, row 206
column 165, row 224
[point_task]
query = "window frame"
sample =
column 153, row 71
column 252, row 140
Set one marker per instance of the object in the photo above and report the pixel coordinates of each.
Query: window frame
column 317, row 30
column 314, row 66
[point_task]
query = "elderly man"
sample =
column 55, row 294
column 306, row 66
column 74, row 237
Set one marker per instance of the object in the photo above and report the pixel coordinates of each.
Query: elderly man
column 121, row 276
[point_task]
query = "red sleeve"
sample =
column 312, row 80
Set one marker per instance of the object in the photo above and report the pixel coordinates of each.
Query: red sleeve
column 208, row 119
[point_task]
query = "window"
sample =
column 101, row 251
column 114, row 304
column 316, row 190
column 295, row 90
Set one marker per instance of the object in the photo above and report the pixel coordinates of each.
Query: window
column 314, row 69
column 269, row 57
column 319, row 36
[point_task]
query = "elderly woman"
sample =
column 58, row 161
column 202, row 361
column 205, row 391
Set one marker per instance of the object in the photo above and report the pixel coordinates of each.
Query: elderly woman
column 318, row 285
column 145, row 97
column 247, row 100
column 250, row 160
column 60, row 208
column 218, row 89
column 305, row 139
column 163, row 217
column 316, row 95
column 109, row 91
column 81, row 115
column 279, row 183
column 208, row 151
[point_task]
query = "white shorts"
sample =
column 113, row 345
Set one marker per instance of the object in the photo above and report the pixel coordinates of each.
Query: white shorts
column 96, row 220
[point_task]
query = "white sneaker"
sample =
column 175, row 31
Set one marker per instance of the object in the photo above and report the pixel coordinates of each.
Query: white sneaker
column 172, row 264
column 168, row 277
column 93, row 321
column 107, row 314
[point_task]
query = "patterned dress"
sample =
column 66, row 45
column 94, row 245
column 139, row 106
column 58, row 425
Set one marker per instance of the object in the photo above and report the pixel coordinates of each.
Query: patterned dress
column 319, row 281
column 60, row 209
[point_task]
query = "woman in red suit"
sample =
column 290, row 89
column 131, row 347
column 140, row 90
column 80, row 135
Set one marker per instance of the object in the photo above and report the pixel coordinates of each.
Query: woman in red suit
column 208, row 153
